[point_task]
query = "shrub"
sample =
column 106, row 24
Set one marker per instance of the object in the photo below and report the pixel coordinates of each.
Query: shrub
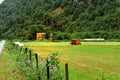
column 58, row 35
column 67, row 36
column 75, row 35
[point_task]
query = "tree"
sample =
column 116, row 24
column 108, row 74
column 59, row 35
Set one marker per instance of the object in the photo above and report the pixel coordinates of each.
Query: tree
column 31, row 33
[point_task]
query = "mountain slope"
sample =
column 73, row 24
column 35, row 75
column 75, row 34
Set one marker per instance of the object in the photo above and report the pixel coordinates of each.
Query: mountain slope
column 84, row 18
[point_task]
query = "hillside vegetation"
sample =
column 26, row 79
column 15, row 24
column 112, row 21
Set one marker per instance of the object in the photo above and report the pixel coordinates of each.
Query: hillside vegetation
column 66, row 19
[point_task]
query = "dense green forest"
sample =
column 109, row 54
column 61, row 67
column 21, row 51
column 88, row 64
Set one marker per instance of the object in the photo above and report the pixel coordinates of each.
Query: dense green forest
column 66, row 19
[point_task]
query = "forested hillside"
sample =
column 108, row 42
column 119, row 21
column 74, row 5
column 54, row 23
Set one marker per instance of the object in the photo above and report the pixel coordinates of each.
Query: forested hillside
column 64, row 18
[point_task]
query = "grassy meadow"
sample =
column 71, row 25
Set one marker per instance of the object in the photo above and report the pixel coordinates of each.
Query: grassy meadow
column 89, row 61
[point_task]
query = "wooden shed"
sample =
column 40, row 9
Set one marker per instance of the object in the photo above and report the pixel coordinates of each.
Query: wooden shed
column 40, row 36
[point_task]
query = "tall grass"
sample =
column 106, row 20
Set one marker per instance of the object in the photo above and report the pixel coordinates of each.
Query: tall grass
column 8, row 66
column 28, row 67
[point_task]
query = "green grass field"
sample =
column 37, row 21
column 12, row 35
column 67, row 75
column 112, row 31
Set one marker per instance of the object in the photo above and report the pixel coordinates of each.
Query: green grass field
column 89, row 61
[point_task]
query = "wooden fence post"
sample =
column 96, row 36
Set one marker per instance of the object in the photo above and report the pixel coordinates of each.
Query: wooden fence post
column 48, row 71
column 66, row 72
column 26, row 50
column 36, row 57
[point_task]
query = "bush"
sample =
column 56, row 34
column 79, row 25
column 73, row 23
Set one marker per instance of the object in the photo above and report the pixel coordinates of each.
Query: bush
column 58, row 35
column 86, row 34
column 116, row 35
column 104, row 34
column 67, row 36
column 75, row 35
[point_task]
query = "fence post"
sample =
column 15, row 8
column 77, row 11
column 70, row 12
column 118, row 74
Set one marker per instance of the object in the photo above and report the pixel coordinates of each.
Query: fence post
column 66, row 72
column 26, row 50
column 36, row 57
column 30, row 55
column 48, row 71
